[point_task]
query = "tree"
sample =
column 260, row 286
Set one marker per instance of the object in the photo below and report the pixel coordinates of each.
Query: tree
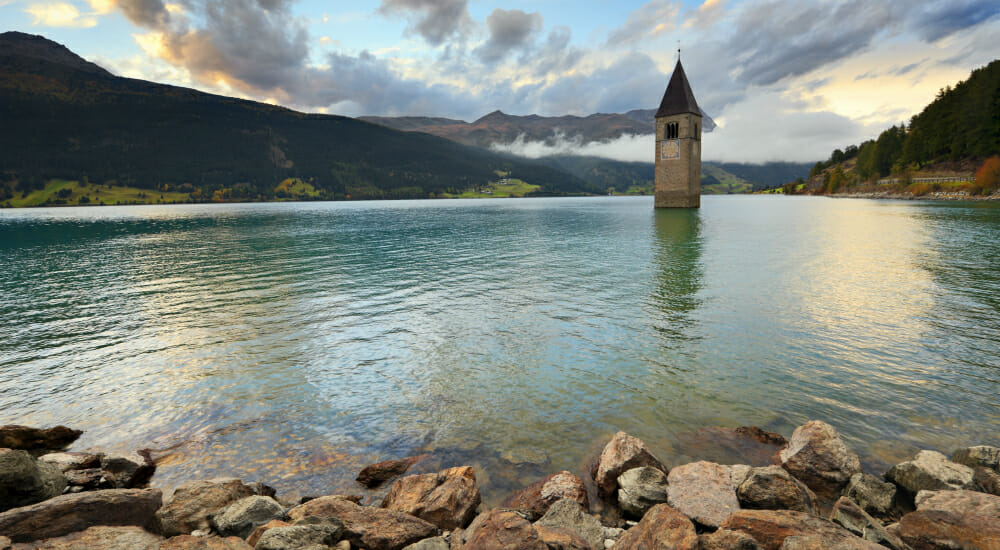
column 988, row 176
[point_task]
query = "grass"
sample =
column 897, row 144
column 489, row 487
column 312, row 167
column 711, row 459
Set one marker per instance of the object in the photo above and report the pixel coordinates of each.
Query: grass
column 513, row 188
column 97, row 193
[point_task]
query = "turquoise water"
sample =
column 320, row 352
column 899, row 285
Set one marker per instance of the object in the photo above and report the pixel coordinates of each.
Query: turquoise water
column 296, row 342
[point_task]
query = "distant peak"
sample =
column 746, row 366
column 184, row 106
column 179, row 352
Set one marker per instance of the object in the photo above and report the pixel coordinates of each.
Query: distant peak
column 19, row 44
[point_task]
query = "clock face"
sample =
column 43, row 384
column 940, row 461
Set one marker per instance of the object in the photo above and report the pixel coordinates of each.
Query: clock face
column 670, row 150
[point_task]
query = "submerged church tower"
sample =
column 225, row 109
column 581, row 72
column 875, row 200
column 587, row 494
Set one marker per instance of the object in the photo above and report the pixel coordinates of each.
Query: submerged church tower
column 677, row 183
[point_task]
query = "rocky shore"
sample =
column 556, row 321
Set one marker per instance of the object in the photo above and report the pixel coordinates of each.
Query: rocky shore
column 812, row 495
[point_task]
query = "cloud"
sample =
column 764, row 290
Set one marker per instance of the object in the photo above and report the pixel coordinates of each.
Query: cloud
column 435, row 20
column 651, row 19
column 627, row 148
column 938, row 19
column 59, row 14
column 508, row 30
column 706, row 15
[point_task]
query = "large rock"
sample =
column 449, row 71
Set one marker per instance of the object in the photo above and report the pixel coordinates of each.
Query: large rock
column 372, row 528
column 536, row 498
column 30, row 439
column 639, row 489
column 188, row 542
column 930, row 471
column 724, row 539
column 433, row 543
column 986, row 480
column 773, row 488
column 818, row 457
column 502, row 530
column 850, row 516
column 662, row 528
column 770, row 528
column 75, row 512
column 325, row 532
column 936, row 530
column 820, row 542
column 24, row 480
column 873, row 495
column 259, row 531
column 567, row 514
column 562, row 539
column 621, row 454
column 189, row 508
column 447, row 499
column 961, row 503
column 89, row 479
column 374, row 475
column 240, row 518
column 703, row 491
column 980, row 455
column 100, row 538
column 72, row 461
column 126, row 471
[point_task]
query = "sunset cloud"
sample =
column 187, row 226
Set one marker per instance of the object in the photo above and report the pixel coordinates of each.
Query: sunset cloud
column 59, row 14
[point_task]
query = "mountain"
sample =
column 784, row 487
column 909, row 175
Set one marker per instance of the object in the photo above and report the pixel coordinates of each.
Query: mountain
column 64, row 117
column 501, row 128
column 637, row 177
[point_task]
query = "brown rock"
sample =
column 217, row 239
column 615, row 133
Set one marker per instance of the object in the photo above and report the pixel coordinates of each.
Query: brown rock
column 501, row 530
column 935, row 530
column 99, row 538
column 850, row 516
column 724, row 539
column 91, row 478
column 188, row 542
column 568, row 515
column 761, row 436
column 127, row 471
column 75, row 512
column 25, row 438
column 535, row 499
column 773, row 488
column 562, row 539
column 372, row 528
column 873, row 495
column 987, row 480
column 702, row 491
column 24, row 480
column 960, row 503
column 72, row 461
column 255, row 536
column 189, row 508
column 930, row 471
column 376, row 474
column 622, row 453
column 662, row 528
column 447, row 499
column 819, row 458
column 5, row 543
column 770, row 528
column 978, row 456
column 819, row 542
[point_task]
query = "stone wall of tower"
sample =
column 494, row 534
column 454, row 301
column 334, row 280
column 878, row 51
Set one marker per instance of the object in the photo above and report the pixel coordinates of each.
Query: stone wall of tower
column 677, row 182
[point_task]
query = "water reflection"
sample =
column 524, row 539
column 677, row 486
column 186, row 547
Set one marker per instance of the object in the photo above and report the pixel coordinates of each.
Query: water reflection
column 678, row 275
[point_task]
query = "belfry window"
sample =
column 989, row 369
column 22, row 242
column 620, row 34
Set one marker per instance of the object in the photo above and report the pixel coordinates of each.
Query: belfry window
column 672, row 130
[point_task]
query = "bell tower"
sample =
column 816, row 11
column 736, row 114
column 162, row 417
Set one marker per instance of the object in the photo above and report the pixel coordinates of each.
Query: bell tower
column 677, row 181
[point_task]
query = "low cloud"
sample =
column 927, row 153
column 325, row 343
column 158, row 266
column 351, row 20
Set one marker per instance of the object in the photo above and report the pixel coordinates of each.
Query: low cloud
column 59, row 14
column 627, row 148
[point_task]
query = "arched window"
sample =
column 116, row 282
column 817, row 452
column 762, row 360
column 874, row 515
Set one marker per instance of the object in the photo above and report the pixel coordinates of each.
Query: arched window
column 672, row 130
column 696, row 130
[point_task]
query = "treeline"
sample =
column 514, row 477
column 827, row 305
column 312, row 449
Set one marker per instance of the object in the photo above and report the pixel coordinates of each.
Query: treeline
column 961, row 123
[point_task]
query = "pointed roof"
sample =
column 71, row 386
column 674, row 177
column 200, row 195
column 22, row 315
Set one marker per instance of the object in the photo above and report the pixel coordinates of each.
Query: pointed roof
column 678, row 99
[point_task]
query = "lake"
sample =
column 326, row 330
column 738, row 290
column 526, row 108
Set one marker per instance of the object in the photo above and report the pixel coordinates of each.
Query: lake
column 294, row 343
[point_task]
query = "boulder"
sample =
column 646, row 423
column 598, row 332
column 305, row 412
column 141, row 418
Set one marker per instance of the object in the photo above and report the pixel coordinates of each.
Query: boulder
column 433, row 543
column 567, row 514
column 724, row 539
column 639, row 489
column 31, row 439
column 325, row 533
column 773, row 488
column 961, row 503
column 662, row 528
column 189, row 542
column 502, row 530
column 936, row 530
column 930, row 471
column 72, row 461
column 621, row 454
column 376, row 474
column 702, row 491
column 447, row 499
column 562, row 539
column 873, row 495
column 263, row 489
column 817, row 456
column 850, row 516
column 259, row 531
column 126, row 471
column 980, row 455
column 24, row 480
column 536, row 498
column 986, row 480
column 770, row 528
column 372, row 528
column 100, row 538
column 819, row 542
column 189, row 507
column 738, row 473
column 75, row 512
column 90, row 479
column 240, row 518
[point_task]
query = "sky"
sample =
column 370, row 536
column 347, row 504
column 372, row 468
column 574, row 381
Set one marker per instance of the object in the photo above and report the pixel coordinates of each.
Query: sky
column 784, row 80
